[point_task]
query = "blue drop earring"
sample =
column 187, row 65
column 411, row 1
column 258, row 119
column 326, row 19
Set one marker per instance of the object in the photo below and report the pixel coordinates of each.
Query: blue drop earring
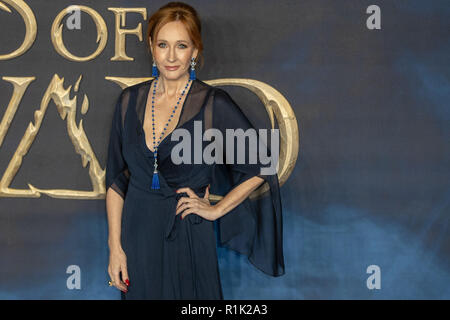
column 154, row 69
column 193, row 63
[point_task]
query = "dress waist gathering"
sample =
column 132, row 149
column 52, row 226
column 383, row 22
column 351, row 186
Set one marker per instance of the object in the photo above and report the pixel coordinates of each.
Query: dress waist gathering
column 169, row 197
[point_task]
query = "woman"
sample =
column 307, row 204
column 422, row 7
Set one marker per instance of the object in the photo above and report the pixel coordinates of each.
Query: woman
column 161, row 224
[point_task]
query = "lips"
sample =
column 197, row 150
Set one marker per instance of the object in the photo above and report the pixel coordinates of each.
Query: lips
column 172, row 68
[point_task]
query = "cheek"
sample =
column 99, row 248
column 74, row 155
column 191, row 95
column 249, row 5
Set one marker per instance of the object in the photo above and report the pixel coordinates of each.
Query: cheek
column 158, row 55
column 186, row 57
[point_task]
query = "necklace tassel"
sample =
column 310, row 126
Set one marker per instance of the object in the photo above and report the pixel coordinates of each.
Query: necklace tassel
column 155, row 180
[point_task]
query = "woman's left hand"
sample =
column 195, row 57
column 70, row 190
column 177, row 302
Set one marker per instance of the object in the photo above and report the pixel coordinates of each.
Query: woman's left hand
column 195, row 204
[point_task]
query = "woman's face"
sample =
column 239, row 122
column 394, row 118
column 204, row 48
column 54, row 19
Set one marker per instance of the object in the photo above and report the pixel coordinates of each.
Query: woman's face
column 173, row 47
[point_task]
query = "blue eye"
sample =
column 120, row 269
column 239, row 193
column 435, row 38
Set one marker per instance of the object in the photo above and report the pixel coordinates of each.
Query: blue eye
column 183, row 46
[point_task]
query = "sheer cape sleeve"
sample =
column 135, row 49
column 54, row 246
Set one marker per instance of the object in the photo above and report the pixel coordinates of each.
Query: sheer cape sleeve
column 254, row 227
column 117, row 174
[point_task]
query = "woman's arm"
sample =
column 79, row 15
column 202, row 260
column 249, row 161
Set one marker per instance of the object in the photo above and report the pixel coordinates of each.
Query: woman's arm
column 237, row 195
column 114, row 206
column 203, row 208
column 117, row 257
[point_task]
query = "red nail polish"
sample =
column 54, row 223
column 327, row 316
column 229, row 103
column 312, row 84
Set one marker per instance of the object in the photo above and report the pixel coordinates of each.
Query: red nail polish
column 127, row 282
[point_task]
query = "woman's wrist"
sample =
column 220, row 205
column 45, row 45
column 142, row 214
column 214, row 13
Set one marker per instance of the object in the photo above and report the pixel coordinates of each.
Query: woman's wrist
column 114, row 245
column 218, row 210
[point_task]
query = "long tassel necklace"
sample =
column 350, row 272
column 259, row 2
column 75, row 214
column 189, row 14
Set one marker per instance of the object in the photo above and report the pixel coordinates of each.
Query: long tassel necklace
column 155, row 180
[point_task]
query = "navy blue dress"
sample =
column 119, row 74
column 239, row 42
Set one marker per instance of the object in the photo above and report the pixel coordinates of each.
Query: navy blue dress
column 173, row 258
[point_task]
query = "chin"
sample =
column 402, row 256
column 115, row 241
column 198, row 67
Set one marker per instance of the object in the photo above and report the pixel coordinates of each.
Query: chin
column 172, row 76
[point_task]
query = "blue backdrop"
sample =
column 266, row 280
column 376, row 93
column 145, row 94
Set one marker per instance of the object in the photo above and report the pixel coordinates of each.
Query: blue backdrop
column 371, row 183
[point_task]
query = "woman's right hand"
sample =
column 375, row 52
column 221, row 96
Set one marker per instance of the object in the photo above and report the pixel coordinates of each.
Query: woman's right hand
column 117, row 265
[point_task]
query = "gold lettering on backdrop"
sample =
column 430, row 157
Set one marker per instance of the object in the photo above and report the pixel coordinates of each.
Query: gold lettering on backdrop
column 277, row 107
column 67, row 110
column 57, row 28
column 30, row 26
column 127, row 82
column 20, row 86
column 120, row 14
column 85, row 104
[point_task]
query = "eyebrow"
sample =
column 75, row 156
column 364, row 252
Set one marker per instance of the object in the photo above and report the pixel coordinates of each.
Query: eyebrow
column 176, row 41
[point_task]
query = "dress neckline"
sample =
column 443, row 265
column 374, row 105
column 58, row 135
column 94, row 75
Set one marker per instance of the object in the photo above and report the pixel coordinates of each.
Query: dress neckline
column 147, row 95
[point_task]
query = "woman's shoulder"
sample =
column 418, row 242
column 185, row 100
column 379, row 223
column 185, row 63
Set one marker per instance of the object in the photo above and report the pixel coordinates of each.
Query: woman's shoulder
column 202, row 85
column 218, row 93
column 221, row 96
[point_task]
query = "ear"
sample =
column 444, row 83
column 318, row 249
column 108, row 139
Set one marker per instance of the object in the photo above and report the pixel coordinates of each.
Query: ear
column 195, row 53
column 150, row 43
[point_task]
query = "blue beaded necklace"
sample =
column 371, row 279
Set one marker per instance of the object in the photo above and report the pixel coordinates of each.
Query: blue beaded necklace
column 155, row 180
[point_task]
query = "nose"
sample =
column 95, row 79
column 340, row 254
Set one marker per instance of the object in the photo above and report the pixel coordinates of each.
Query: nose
column 172, row 54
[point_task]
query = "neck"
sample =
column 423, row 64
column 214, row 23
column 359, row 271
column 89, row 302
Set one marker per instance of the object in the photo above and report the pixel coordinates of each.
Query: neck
column 171, row 88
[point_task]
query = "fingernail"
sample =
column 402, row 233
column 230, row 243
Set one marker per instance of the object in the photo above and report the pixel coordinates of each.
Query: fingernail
column 127, row 282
